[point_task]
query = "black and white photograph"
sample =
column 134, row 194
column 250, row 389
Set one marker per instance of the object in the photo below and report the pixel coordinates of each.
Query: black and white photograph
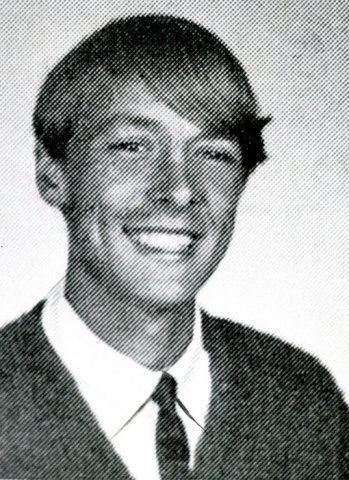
column 174, row 240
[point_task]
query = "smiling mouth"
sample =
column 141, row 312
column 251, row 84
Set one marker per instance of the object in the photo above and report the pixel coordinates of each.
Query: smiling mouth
column 163, row 241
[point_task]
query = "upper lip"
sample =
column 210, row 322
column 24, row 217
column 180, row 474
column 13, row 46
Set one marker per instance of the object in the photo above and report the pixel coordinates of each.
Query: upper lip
column 162, row 229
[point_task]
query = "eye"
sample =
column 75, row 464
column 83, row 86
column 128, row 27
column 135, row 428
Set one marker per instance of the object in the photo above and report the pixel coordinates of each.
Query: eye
column 217, row 154
column 128, row 146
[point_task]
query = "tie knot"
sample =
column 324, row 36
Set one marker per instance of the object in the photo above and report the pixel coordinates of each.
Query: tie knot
column 165, row 393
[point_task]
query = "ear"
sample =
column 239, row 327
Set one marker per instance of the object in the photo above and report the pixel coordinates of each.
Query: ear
column 51, row 178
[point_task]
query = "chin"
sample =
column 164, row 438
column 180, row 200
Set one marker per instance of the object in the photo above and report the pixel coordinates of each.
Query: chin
column 167, row 296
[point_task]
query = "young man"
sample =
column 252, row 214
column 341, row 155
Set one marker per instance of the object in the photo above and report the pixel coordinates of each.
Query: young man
column 147, row 133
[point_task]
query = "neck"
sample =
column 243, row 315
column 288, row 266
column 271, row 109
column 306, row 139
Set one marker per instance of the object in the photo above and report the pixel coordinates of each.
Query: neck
column 152, row 335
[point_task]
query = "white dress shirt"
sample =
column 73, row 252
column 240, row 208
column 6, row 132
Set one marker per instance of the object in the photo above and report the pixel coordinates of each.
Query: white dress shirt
column 115, row 386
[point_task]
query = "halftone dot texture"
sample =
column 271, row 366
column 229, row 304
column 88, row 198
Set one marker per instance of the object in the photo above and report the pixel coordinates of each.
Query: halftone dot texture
column 274, row 413
column 278, row 414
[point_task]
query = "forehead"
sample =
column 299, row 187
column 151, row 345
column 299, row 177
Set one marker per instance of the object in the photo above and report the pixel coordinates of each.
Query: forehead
column 132, row 104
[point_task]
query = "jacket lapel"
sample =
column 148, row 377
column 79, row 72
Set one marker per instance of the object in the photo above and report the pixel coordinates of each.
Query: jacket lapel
column 237, row 443
column 68, row 439
column 228, row 388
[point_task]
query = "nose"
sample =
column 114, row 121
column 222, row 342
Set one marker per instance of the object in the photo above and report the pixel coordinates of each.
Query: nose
column 175, row 181
column 181, row 197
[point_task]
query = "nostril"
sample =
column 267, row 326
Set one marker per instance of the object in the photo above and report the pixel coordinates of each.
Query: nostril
column 160, row 197
column 194, row 200
column 182, row 197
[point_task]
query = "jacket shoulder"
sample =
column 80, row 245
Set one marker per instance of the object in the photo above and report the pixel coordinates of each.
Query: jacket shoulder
column 16, row 338
column 269, row 356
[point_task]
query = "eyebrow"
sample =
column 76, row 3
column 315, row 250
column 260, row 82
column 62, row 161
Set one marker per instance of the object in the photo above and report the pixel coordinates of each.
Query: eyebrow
column 133, row 119
column 101, row 125
column 130, row 118
column 211, row 131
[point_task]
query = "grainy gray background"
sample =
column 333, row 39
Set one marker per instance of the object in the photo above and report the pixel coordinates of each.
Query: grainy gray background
column 287, row 271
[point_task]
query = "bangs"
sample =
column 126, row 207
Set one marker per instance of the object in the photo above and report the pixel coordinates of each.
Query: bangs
column 182, row 64
column 205, row 93
column 190, row 70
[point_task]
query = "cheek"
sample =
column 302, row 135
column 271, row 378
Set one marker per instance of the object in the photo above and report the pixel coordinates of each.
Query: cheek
column 100, row 185
column 223, row 190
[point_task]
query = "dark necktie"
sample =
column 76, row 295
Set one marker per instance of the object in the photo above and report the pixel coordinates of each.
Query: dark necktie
column 171, row 442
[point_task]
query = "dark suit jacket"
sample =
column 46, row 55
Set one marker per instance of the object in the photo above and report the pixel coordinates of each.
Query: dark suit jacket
column 275, row 412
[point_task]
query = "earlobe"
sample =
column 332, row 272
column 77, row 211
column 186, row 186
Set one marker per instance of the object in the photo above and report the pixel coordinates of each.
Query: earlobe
column 50, row 178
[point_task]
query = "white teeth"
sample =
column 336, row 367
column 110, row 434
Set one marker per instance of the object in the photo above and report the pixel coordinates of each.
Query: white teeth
column 169, row 242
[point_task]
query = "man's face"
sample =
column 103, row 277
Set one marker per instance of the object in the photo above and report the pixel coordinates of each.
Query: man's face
column 154, row 198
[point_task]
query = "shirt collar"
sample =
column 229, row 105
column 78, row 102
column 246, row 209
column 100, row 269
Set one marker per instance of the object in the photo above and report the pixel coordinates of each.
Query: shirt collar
column 97, row 366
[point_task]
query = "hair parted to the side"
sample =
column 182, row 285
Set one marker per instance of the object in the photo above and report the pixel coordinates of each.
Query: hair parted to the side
column 182, row 63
